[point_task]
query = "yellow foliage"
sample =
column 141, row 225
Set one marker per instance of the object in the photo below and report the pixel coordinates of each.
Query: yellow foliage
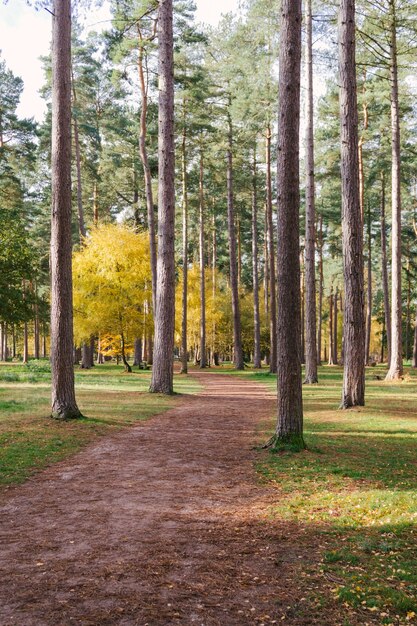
column 218, row 313
column 112, row 284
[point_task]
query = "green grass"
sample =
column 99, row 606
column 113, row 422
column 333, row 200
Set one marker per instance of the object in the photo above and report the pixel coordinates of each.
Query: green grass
column 110, row 400
column 355, row 491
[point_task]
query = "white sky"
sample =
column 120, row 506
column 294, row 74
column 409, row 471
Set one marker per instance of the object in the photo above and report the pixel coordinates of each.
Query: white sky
column 25, row 36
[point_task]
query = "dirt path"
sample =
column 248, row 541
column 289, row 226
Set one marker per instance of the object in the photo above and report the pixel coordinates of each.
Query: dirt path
column 163, row 523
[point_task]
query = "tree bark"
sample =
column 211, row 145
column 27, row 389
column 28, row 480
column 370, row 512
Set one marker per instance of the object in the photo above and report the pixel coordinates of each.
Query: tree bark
column 321, row 287
column 289, row 383
column 311, row 358
column 271, row 259
column 331, row 333
column 137, row 352
column 414, row 361
column 184, row 347
column 395, row 371
column 64, row 405
column 369, row 292
column 255, row 276
column 163, row 357
column 335, row 329
column 237, row 333
column 384, row 271
column 203, row 359
column 353, row 393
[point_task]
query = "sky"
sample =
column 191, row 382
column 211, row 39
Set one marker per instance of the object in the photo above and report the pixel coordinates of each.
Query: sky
column 25, row 36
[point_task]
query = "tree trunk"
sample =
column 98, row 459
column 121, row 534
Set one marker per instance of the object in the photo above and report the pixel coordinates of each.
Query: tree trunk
column 289, row 383
column 331, row 333
column 353, row 393
column 335, row 329
column 147, row 170
column 184, row 347
column 414, row 362
column 163, row 358
column 255, row 277
column 237, row 333
column 395, row 371
column 64, row 405
column 271, row 258
column 311, row 358
column 128, row 369
column 91, row 350
column 369, row 292
column 203, row 359
column 302, row 293
column 384, row 270
column 321, row 287
column 85, row 358
column 137, row 352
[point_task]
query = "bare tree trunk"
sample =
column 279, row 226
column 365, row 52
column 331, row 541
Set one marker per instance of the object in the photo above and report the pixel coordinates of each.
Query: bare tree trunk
column 163, row 358
column 266, row 267
column 85, row 358
column 335, row 329
column 271, row 258
column 123, row 351
column 203, row 359
column 395, row 371
column 384, row 270
column 311, row 358
column 408, row 307
column 352, row 236
column 414, row 361
column 302, row 293
column 25, row 343
column 184, row 347
column 289, row 384
column 91, row 350
column 237, row 333
column 137, row 352
column 369, row 292
column 36, row 341
column 13, row 341
column 321, row 287
column 146, row 169
column 64, row 405
column 331, row 333
column 255, row 277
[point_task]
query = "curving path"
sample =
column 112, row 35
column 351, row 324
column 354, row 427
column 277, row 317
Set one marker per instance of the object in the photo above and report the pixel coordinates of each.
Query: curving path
column 163, row 523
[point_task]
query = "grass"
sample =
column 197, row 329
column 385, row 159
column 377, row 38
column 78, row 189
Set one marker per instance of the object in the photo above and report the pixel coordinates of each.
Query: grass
column 355, row 491
column 110, row 400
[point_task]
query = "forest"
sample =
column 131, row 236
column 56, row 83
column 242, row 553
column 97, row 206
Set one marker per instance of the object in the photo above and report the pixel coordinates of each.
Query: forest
column 208, row 265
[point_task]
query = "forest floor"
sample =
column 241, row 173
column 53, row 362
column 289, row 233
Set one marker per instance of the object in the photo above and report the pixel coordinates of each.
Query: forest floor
column 180, row 519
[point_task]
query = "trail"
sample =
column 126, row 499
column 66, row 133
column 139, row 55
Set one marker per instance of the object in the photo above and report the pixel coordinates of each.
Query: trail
column 163, row 523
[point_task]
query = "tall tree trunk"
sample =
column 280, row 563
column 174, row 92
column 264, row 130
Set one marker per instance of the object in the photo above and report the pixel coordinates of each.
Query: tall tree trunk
column 353, row 393
column 331, row 333
column 25, row 343
column 64, row 405
column 203, row 359
column 395, row 371
column 271, row 259
column 215, row 359
column 146, row 168
column 384, row 270
column 408, row 307
column 414, row 361
column 184, row 347
column 369, row 292
column 85, row 358
column 237, row 333
column 163, row 357
column 302, row 293
column 137, row 352
column 289, row 383
column 321, row 288
column 335, row 327
column 311, row 358
column 255, row 277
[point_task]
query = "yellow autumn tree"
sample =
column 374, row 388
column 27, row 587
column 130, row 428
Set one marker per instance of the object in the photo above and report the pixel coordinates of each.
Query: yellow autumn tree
column 112, row 288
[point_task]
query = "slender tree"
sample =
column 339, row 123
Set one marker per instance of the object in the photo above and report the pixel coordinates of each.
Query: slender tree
column 234, row 281
column 64, row 405
column 203, row 360
column 353, row 393
column 310, row 236
column 255, row 276
column 289, row 384
column 163, row 366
